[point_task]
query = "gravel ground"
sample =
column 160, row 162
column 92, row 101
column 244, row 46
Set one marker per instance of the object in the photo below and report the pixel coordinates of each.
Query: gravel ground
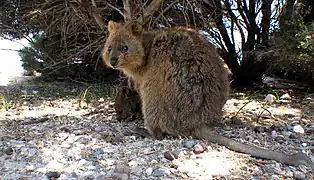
column 48, row 132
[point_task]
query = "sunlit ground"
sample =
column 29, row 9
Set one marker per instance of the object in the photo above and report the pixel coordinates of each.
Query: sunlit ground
column 10, row 60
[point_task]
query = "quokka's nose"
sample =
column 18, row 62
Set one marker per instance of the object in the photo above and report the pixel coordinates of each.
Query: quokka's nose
column 113, row 61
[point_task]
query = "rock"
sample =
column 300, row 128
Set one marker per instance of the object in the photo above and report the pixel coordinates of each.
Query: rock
column 121, row 168
column 54, row 165
column 310, row 131
column 67, row 177
column 293, row 136
column 274, row 177
column 16, row 144
column 149, row 171
column 249, row 138
column 8, row 151
column 119, row 176
column 65, row 129
column 158, row 172
column 286, row 133
column 291, row 115
column 133, row 163
column 280, row 139
column 97, row 152
column 298, row 175
column 298, row 129
column 170, row 155
column 75, row 153
column 101, row 100
column 189, row 143
column 199, row 148
column 285, row 96
column 98, row 129
column 274, row 134
column 154, row 161
column 83, row 162
column 255, row 141
column 270, row 98
column 52, row 174
column 32, row 152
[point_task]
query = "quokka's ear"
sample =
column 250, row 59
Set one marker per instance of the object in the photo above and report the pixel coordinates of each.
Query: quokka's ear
column 136, row 28
column 111, row 26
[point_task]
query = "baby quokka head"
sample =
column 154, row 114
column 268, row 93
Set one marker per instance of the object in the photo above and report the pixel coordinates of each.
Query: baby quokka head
column 123, row 49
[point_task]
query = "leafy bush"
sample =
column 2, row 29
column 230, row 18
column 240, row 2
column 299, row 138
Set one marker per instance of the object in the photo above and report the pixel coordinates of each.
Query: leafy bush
column 291, row 53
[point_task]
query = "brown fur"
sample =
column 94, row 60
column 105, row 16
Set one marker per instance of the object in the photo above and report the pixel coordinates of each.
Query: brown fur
column 182, row 83
column 127, row 102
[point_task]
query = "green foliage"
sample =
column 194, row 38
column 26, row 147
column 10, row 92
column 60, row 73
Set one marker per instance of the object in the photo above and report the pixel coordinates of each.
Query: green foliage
column 292, row 53
column 40, row 54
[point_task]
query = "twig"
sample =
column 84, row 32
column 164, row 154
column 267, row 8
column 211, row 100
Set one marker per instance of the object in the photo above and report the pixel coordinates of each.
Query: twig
column 117, row 9
column 127, row 10
column 260, row 114
column 242, row 108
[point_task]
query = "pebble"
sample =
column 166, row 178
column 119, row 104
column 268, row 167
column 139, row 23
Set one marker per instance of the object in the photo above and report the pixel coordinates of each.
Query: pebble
column 149, row 171
column 293, row 136
column 52, row 174
column 158, row 172
column 298, row 129
column 189, row 143
column 97, row 152
column 101, row 100
column 291, row 115
column 98, row 129
column 16, row 144
column 83, row 162
column 67, row 177
column 198, row 148
column 299, row 175
column 249, row 138
column 8, row 151
column 154, row 161
column 121, row 168
column 310, row 131
column 32, row 152
column 170, row 155
column 54, row 165
column 285, row 96
column 280, row 139
column 120, row 176
column 274, row 134
column 274, row 177
column 132, row 163
column 255, row 141
column 101, row 177
column 270, row 98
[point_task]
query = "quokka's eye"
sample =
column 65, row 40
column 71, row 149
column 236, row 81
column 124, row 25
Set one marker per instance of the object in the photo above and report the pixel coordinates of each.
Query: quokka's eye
column 125, row 48
column 109, row 48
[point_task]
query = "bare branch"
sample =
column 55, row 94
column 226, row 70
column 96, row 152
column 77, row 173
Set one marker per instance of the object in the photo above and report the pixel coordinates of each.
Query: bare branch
column 90, row 11
column 240, row 10
column 127, row 10
column 166, row 9
column 117, row 9
column 149, row 11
